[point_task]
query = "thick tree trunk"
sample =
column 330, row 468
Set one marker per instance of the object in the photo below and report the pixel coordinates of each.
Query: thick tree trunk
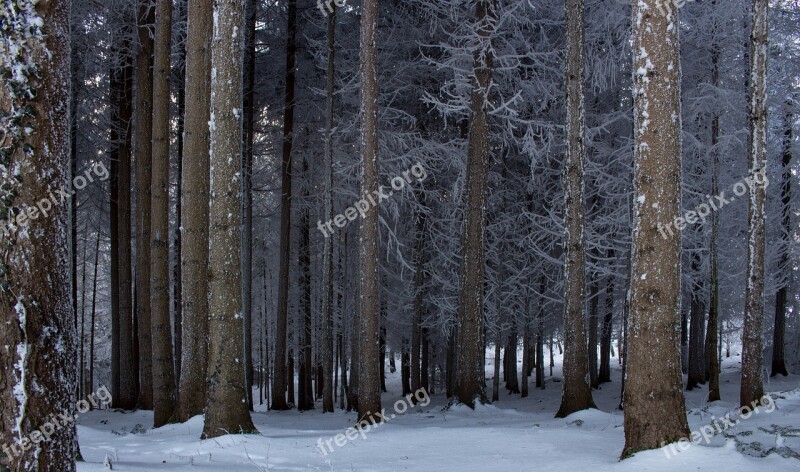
column 163, row 381
column 470, row 375
column 752, row 386
column 193, row 390
column 280, row 388
column 576, row 394
column 38, row 328
column 227, row 411
column 655, row 411
column 369, row 393
column 144, row 128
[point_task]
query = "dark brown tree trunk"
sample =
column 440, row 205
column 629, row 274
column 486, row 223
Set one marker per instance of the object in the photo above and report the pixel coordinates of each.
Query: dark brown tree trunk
column 512, row 380
column 778, row 334
column 39, row 375
column 281, row 377
column 604, row 375
column 163, row 375
column 697, row 347
column 144, row 129
column 177, row 289
column 193, row 390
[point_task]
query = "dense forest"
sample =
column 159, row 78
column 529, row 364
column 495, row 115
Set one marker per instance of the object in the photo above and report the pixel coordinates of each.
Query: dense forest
column 230, row 227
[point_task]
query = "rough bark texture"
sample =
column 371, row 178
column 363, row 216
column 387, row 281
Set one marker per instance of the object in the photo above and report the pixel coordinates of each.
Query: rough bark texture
column 280, row 387
column 576, row 394
column 163, row 381
column 654, row 404
column 469, row 378
column 227, row 411
column 752, row 388
column 144, row 128
column 369, row 376
column 37, row 330
column 194, row 212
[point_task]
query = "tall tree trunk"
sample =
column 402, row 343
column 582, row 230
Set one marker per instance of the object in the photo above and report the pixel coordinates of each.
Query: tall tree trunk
column 576, row 394
column 778, row 335
column 251, row 8
column 470, row 375
column 128, row 373
column 752, row 387
column 712, row 329
column 512, row 380
column 227, row 411
column 328, row 363
column 416, row 330
column 39, row 375
column 697, row 348
column 526, row 358
column 163, row 381
column 304, row 336
column 280, row 387
column 591, row 347
column 90, row 380
column 144, row 128
column 177, row 288
column 655, row 411
column 193, row 390
column 369, row 393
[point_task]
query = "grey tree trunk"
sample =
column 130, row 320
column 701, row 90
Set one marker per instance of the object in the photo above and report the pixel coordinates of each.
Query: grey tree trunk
column 469, row 376
column 752, row 386
column 39, row 371
column 163, row 380
column 576, row 394
column 227, row 411
column 655, row 411
column 193, row 390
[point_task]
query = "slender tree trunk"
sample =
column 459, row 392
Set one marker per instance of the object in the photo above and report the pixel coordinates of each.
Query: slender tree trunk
column 227, row 411
column 416, row 330
column 576, row 394
column 470, row 375
column 163, row 381
column 328, row 363
column 144, row 128
column 604, row 375
column 39, row 375
column 778, row 335
column 496, row 379
column 752, row 386
column 305, row 384
column 280, row 387
column 591, row 348
column 697, row 348
column 526, row 358
column 512, row 380
column 193, row 390
column 712, row 357
column 177, row 288
column 655, row 411
column 369, row 393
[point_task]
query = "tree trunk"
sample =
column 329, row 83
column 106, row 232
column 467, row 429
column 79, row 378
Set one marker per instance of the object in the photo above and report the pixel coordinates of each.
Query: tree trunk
column 470, row 376
column 591, row 348
column 280, row 387
column 193, row 390
column 512, row 380
column 526, row 359
column 144, row 128
column 696, row 365
column 604, row 375
column 419, row 292
column 328, row 363
column 305, row 388
column 369, row 393
column 496, row 378
column 576, row 394
column 655, row 411
column 39, row 375
column 778, row 335
column 712, row 357
column 227, row 411
column 177, row 288
column 163, row 380
column 752, row 387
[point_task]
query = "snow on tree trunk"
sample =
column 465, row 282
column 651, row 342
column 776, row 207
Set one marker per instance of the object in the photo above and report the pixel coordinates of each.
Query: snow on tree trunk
column 752, row 388
column 227, row 411
column 37, row 335
column 576, row 394
column 654, row 404
column 194, row 212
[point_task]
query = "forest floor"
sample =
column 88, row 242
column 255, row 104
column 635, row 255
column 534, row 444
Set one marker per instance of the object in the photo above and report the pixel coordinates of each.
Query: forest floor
column 513, row 434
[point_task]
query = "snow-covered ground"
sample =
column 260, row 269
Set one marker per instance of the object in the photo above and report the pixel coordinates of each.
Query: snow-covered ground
column 511, row 435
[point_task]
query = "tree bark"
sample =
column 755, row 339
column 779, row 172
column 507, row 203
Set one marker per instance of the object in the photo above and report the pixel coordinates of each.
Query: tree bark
column 576, row 394
column 655, row 411
column 778, row 335
column 227, row 411
column 193, row 390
